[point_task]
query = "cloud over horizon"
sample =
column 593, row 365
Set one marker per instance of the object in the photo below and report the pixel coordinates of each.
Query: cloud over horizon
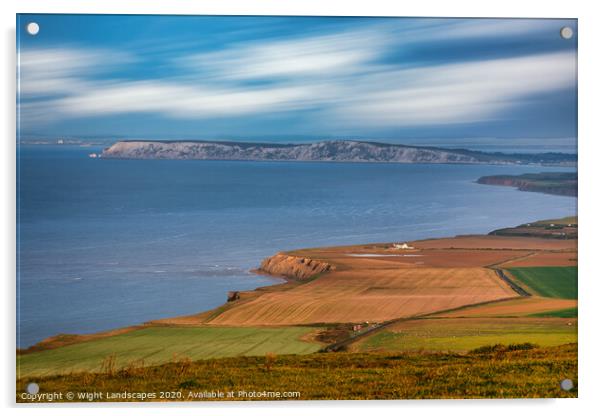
column 422, row 74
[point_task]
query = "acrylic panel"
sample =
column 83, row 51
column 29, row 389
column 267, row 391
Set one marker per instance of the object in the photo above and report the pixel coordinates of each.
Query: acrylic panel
column 295, row 208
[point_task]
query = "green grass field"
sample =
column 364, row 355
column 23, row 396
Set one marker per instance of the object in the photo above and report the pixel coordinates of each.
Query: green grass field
column 530, row 373
column 464, row 334
column 563, row 221
column 560, row 313
column 551, row 282
column 157, row 345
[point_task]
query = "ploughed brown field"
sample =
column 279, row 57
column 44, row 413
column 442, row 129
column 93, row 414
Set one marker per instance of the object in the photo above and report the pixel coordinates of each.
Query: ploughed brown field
column 498, row 242
column 378, row 282
column 545, row 259
column 512, row 308
column 370, row 295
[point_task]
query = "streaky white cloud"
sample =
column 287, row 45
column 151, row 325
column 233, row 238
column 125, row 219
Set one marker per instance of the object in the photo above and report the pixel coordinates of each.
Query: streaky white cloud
column 343, row 75
column 314, row 56
column 454, row 93
column 488, row 28
column 47, row 71
column 348, row 52
column 181, row 100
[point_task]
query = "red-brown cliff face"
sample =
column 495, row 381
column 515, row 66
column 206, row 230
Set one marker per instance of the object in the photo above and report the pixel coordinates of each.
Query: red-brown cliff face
column 293, row 267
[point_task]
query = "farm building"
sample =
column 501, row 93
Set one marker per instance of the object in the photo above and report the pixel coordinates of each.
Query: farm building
column 402, row 246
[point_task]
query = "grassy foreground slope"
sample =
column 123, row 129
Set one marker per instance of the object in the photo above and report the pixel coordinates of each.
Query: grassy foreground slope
column 496, row 374
column 157, row 345
column 551, row 282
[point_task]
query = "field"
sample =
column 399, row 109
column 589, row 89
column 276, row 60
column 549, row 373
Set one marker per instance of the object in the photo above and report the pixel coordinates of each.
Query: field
column 496, row 374
column 465, row 334
column 488, row 242
column 551, row 282
column 547, row 318
column 573, row 220
column 524, row 306
column 544, row 259
column 157, row 345
column 562, row 228
column 559, row 313
column 373, row 295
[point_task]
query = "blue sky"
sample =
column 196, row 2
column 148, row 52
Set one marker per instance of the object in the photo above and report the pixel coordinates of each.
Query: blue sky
column 298, row 78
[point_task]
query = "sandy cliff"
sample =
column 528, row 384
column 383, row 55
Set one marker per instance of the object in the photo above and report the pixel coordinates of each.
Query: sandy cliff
column 293, row 267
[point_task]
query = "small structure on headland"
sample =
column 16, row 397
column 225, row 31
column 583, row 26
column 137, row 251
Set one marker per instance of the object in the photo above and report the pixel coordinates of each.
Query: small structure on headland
column 402, row 246
column 233, row 295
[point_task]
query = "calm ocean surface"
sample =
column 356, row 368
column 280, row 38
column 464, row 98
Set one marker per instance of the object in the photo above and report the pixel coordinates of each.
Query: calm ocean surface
column 109, row 243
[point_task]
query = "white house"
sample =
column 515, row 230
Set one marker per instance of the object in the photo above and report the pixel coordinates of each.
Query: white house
column 402, row 246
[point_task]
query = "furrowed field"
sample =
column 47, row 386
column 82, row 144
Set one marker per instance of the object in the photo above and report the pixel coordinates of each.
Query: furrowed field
column 373, row 295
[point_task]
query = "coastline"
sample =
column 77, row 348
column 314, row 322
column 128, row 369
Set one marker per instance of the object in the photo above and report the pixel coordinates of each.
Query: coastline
column 552, row 183
column 302, row 266
column 323, row 151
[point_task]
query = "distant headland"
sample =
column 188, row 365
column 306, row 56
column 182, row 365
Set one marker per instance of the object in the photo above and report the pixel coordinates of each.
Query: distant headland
column 324, row 151
column 555, row 183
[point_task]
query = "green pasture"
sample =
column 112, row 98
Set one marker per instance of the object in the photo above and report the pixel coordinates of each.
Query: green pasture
column 157, row 345
column 550, row 282
column 461, row 334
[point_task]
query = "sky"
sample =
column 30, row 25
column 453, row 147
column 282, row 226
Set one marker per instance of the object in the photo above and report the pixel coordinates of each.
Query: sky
column 294, row 79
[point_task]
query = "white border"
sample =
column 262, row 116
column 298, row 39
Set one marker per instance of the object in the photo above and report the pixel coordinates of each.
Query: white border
column 590, row 209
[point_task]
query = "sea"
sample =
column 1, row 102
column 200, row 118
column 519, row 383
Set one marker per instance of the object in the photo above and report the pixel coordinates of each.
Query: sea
column 103, row 244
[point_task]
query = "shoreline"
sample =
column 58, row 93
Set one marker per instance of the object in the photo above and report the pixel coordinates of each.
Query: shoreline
column 551, row 183
column 297, row 268
column 358, row 162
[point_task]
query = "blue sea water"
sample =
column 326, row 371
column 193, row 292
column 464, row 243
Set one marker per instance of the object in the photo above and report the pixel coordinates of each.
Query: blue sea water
column 109, row 243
